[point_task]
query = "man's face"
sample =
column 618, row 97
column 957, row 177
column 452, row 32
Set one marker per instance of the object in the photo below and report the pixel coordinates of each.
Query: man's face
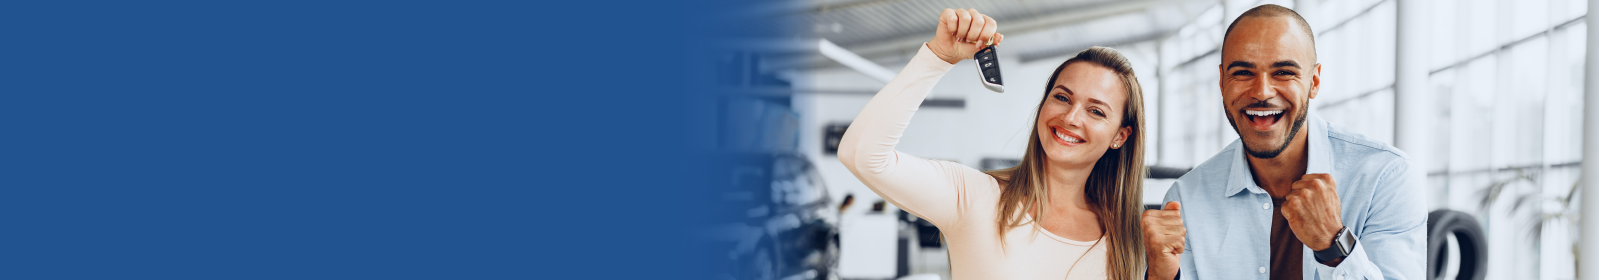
column 1268, row 76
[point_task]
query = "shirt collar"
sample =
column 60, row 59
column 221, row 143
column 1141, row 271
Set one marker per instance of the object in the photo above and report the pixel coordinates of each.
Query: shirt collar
column 1319, row 161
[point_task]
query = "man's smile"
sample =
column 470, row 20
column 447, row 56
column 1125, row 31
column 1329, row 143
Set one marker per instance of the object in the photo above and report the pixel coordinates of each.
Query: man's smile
column 1261, row 119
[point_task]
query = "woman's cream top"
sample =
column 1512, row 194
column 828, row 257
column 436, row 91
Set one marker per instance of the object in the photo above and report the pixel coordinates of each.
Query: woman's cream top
column 958, row 199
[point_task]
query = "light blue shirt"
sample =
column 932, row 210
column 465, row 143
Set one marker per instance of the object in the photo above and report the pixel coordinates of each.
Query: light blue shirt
column 1228, row 217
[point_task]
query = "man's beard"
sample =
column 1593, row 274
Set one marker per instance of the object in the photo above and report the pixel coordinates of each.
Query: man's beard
column 1299, row 121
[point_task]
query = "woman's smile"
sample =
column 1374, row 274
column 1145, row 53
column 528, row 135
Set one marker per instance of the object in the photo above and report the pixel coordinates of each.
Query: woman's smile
column 1066, row 137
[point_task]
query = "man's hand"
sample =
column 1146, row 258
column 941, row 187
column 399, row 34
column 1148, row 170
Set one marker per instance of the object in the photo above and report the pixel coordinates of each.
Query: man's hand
column 1163, row 240
column 961, row 33
column 1312, row 210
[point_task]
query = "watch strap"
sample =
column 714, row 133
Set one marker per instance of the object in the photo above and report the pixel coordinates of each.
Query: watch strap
column 1342, row 244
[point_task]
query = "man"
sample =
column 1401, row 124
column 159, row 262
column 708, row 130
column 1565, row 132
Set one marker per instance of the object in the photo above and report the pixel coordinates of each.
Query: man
column 1294, row 197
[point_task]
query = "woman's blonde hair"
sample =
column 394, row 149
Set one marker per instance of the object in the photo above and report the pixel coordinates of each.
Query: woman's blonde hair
column 1115, row 186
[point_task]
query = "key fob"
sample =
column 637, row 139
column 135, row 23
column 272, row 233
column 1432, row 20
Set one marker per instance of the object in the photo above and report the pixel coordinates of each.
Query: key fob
column 987, row 61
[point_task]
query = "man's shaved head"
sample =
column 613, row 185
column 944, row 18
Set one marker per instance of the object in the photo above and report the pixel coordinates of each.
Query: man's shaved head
column 1273, row 10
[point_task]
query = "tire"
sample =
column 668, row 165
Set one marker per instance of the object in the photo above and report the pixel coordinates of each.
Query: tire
column 1473, row 244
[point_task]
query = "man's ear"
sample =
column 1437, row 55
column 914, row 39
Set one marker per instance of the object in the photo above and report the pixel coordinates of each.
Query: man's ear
column 1121, row 137
column 1315, row 81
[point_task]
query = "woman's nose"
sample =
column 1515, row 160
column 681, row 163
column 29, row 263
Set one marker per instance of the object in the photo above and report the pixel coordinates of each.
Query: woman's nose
column 1074, row 117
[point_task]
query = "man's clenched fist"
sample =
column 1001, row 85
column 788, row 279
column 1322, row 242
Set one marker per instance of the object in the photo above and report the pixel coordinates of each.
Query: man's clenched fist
column 1312, row 210
column 1163, row 240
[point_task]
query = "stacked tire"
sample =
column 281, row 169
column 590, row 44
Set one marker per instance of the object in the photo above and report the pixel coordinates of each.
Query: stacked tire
column 1473, row 246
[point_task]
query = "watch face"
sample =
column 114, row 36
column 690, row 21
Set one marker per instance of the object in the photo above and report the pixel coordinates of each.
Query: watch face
column 1343, row 243
column 1346, row 241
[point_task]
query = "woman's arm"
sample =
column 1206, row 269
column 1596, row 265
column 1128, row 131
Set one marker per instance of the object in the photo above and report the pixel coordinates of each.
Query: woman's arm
column 933, row 190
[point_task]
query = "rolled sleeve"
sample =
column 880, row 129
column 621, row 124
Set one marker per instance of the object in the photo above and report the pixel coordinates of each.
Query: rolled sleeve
column 1355, row 266
column 1392, row 243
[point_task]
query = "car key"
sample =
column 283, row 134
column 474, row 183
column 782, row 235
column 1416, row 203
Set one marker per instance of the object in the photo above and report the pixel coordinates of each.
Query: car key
column 987, row 61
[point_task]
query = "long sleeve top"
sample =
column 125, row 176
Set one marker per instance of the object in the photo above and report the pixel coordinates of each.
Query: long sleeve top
column 960, row 200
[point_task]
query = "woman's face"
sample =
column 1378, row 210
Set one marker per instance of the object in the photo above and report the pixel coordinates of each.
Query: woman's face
column 1081, row 116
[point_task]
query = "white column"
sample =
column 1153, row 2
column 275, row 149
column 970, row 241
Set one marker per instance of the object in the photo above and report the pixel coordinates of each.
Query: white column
column 1588, row 252
column 1413, row 102
column 1159, row 134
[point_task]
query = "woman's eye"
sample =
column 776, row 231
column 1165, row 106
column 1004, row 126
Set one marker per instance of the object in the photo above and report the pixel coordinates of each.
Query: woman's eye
column 1097, row 112
column 1062, row 98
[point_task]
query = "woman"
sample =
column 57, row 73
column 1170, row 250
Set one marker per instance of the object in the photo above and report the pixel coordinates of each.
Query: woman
column 1069, row 210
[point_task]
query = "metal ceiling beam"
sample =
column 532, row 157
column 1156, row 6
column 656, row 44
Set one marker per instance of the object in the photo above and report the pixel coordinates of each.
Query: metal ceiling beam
column 905, row 45
column 849, row 59
column 1041, row 37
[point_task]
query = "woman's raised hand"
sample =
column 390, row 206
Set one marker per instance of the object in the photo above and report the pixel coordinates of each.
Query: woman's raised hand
column 961, row 32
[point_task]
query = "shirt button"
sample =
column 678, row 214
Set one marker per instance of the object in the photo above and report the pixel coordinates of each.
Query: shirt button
column 1262, row 269
column 1266, row 206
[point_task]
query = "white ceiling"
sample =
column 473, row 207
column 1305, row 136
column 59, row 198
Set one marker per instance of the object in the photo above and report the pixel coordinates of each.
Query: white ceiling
column 890, row 30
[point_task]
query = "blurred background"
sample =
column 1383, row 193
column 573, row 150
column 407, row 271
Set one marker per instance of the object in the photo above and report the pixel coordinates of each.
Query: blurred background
column 1486, row 94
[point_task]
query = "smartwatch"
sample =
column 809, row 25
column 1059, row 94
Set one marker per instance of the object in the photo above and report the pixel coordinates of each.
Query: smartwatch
column 1342, row 244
